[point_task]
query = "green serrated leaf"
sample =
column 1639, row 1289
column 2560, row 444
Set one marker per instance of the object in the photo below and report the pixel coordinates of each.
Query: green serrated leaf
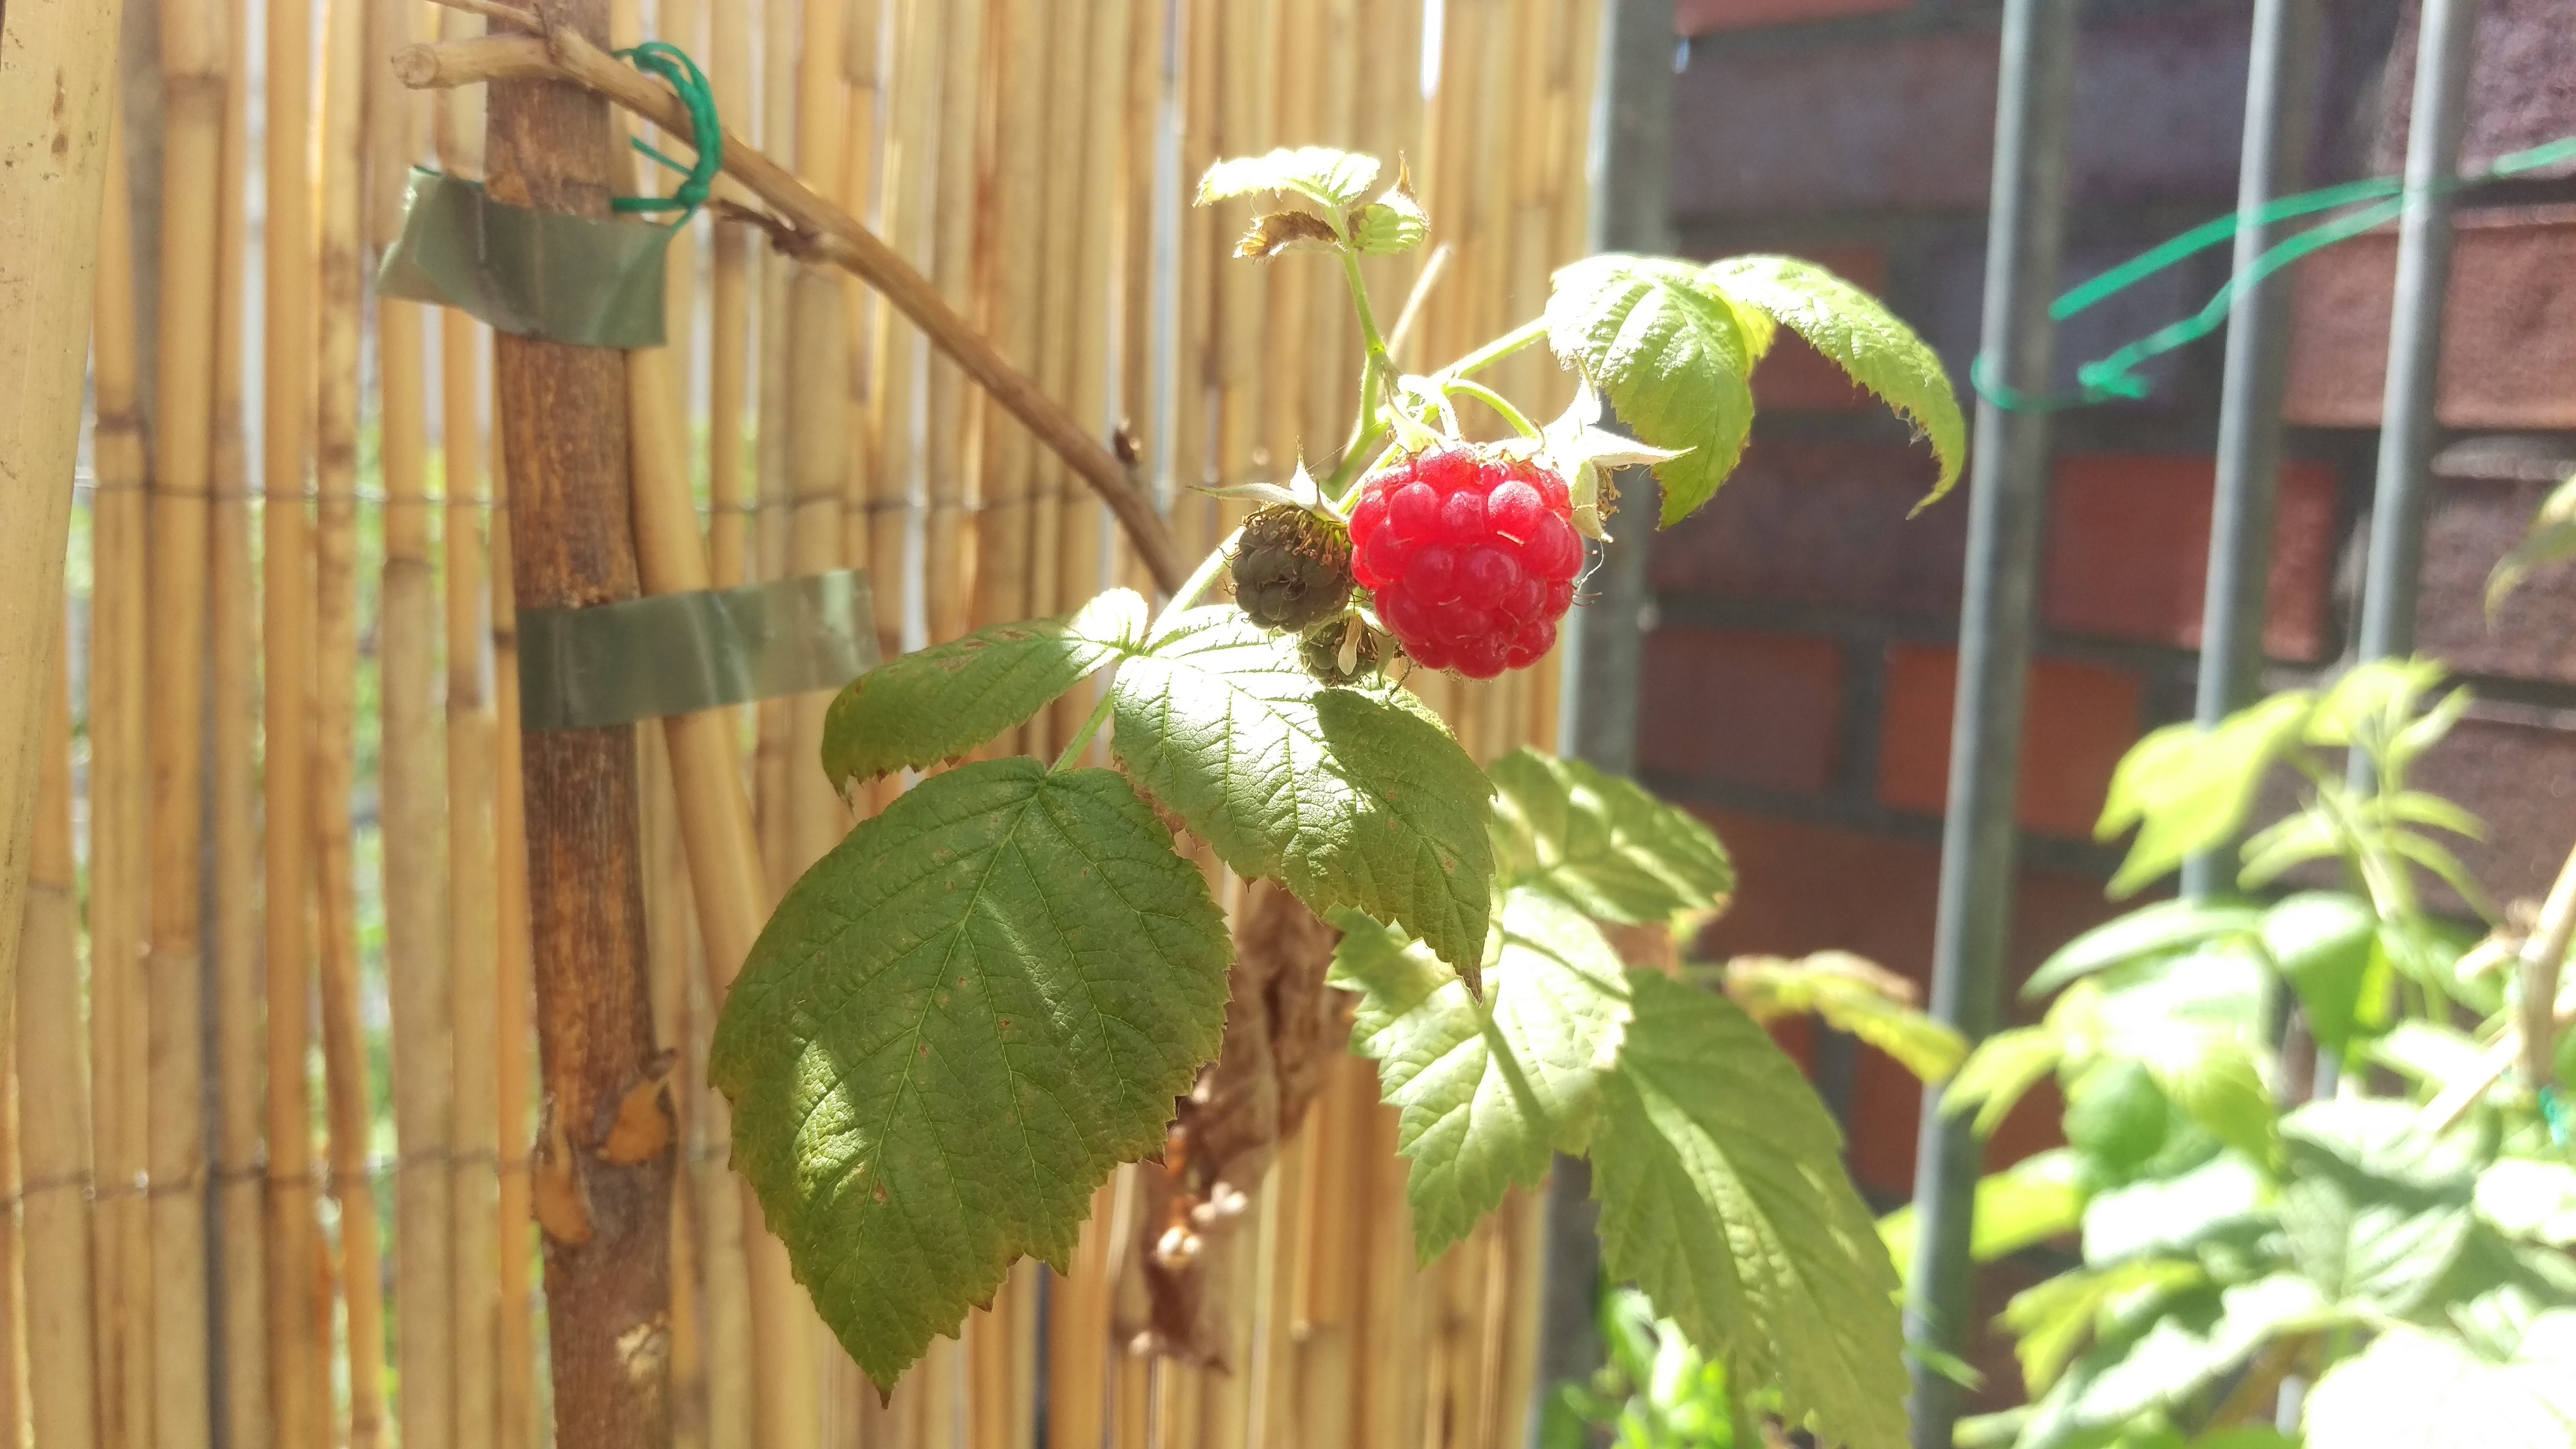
column 2530, row 1199
column 1672, row 354
column 1395, row 222
column 1601, row 843
column 2000, row 1072
column 2552, row 537
column 2416, row 1390
column 2026, row 1204
column 1723, row 1195
column 1335, row 179
column 1349, row 796
column 1852, row 995
column 1858, row 332
column 2053, row 1319
column 2163, row 929
column 2188, row 789
column 1488, row 1090
column 957, row 1023
column 2321, row 943
column 936, row 704
column 2175, row 1360
column 2376, row 1207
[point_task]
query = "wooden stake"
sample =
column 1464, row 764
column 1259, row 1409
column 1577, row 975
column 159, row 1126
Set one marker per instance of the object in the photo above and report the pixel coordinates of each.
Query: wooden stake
column 515, row 1387
column 57, row 65
column 119, row 847
column 299, row 1374
column 413, row 760
column 239, row 1057
column 53, row 1141
column 607, row 1223
column 335, row 582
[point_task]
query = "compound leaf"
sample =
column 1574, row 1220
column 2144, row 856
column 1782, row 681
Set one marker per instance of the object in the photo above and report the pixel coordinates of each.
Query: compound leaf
column 936, row 704
column 1346, row 796
column 1487, row 1090
column 1600, row 843
column 1858, row 332
column 957, row 1023
column 1853, row 995
column 1723, row 1195
column 1671, row 352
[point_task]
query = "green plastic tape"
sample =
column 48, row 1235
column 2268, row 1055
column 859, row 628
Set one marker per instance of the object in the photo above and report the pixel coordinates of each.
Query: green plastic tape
column 672, row 654
column 529, row 273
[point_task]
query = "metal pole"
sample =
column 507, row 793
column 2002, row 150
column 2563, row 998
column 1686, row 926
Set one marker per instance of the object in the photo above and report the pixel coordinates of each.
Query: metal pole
column 2415, row 333
column 2280, row 94
column 1630, row 164
column 2008, row 490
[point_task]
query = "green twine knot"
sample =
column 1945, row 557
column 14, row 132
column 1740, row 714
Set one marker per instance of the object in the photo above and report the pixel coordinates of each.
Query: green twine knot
column 706, row 133
column 2553, row 1110
column 2117, row 376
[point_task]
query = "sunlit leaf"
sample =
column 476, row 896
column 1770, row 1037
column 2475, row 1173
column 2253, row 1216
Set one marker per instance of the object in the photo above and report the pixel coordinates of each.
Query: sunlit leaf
column 1334, row 179
column 2189, row 790
column 1671, row 354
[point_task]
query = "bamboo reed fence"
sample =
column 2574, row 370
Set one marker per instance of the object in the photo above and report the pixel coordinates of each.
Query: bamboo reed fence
column 268, row 1111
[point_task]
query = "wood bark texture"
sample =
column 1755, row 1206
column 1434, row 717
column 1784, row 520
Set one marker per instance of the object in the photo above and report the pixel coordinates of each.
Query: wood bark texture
column 605, row 1207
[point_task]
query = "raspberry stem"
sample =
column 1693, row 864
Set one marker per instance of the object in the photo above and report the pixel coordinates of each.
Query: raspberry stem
column 1492, row 399
column 1498, row 349
column 1082, row 737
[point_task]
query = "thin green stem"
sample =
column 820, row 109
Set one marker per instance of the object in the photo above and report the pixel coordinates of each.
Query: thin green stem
column 1375, row 368
column 1082, row 737
column 1363, row 446
column 1192, row 588
column 1492, row 399
column 1498, row 349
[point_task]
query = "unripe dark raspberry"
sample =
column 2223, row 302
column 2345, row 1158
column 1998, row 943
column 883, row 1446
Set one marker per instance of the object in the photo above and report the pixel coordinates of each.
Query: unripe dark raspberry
column 1320, row 650
column 1471, row 554
column 1292, row 568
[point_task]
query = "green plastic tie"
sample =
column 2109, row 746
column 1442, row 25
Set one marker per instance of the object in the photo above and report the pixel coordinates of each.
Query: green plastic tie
column 2117, row 376
column 2553, row 1110
column 706, row 132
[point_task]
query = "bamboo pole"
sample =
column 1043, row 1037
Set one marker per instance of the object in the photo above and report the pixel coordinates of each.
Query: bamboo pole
column 239, row 1059
column 1194, row 353
column 514, row 1402
column 413, row 759
column 730, row 893
column 949, row 562
column 193, row 56
column 1082, row 531
column 119, row 856
column 13, row 1181
column 1242, row 291
column 786, row 1411
column 872, row 532
column 335, row 582
column 57, row 65
column 53, row 1141
column 1058, row 300
column 606, row 1217
column 1135, row 408
column 299, row 1375
column 472, row 853
column 1078, row 1332
column 1016, row 233
column 729, row 319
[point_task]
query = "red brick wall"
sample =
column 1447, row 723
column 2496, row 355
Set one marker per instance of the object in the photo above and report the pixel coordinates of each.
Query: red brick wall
column 1798, row 683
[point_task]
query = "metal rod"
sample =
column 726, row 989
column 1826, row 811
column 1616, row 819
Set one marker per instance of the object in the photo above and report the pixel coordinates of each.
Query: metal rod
column 2007, row 495
column 2415, row 333
column 1632, row 127
column 2280, row 104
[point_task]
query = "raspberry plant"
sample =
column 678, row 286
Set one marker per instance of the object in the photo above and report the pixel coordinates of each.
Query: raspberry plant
column 986, row 997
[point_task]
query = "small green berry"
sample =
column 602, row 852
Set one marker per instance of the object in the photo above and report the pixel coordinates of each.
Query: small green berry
column 1292, row 568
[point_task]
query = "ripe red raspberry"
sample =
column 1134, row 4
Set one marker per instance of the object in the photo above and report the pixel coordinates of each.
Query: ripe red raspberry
column 1471, row 555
